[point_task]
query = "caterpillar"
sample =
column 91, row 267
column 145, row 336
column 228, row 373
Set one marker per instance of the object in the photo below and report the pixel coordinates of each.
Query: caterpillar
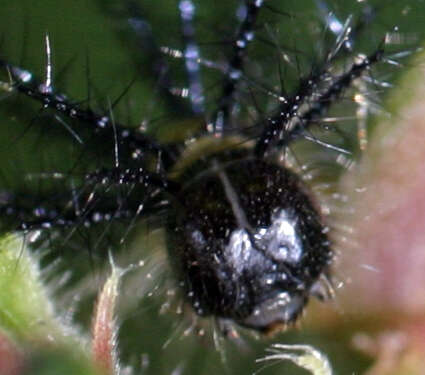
column 217, row 132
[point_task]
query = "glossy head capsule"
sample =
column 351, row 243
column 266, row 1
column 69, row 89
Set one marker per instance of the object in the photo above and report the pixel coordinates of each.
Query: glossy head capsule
column 248, row 243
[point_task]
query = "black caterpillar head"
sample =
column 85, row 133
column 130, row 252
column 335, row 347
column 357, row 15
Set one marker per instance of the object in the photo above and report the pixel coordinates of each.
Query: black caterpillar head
column 249, row 243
